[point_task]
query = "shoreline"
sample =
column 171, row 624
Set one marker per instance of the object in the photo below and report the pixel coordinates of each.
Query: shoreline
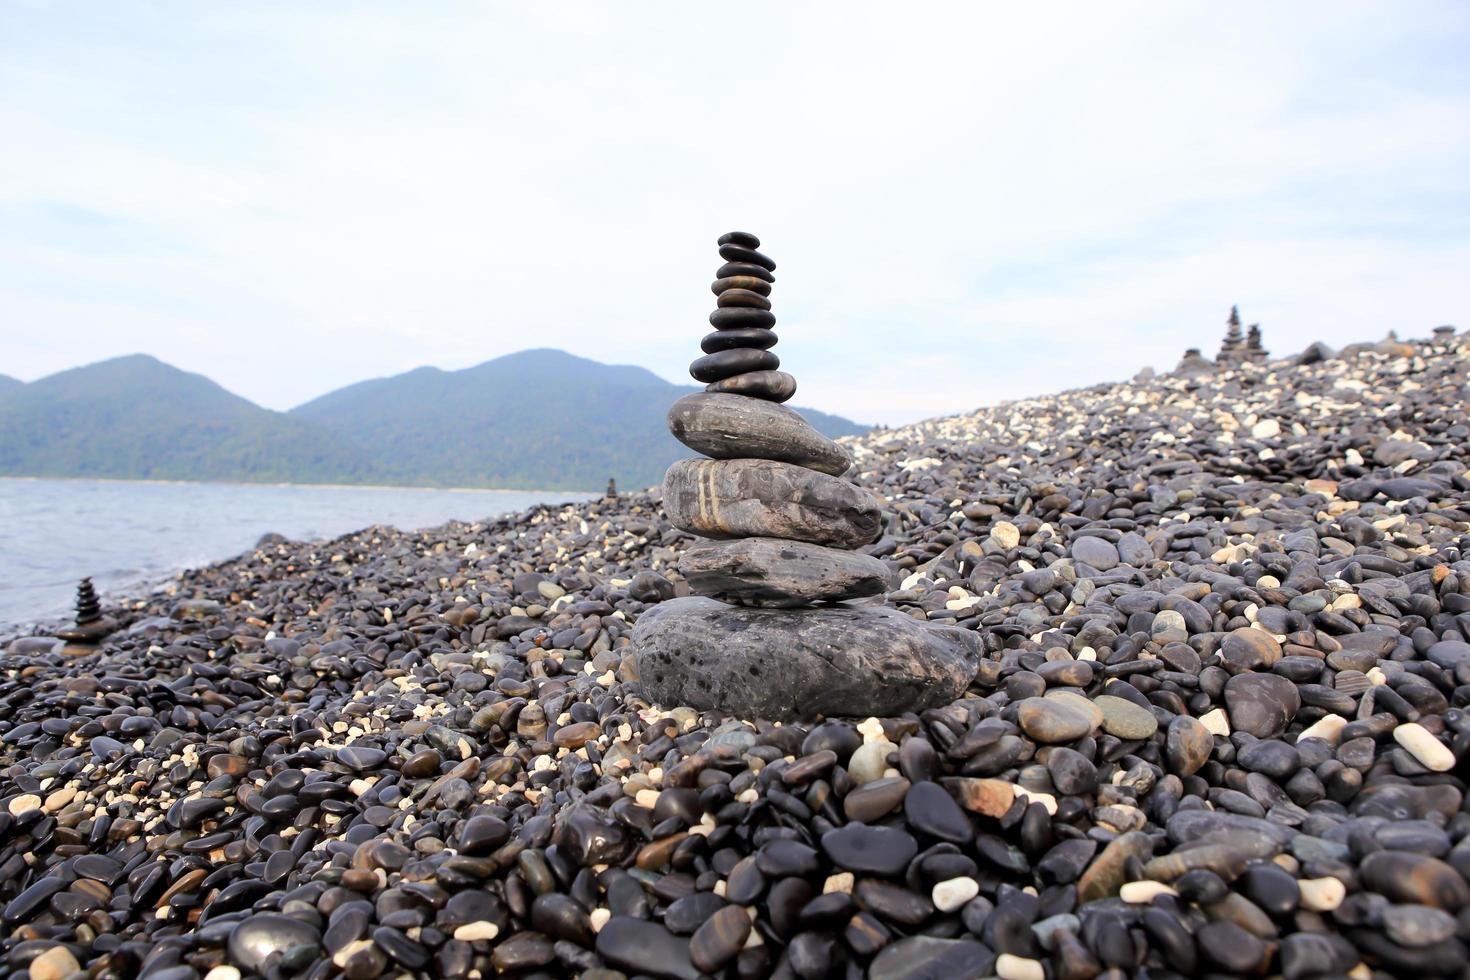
column 302, row 486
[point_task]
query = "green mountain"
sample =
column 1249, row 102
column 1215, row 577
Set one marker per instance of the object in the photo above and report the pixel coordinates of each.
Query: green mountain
column 7, row 382
column 138, row 418
column 539, row 419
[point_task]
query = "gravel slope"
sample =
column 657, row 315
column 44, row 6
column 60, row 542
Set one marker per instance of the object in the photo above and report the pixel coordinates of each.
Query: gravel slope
column 1219, row 729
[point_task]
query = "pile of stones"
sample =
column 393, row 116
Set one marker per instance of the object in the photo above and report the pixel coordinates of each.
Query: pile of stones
column 1219, row 727
column 781, row 523
column 91, row 626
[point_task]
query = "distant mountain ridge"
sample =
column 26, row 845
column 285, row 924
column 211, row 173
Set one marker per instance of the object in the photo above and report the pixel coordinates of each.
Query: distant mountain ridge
column 537, row 419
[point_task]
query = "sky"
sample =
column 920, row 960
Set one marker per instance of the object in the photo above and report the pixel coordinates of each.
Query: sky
column 967, row 202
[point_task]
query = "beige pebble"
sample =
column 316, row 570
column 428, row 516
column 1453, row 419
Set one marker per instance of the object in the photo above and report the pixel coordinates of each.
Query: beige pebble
column 842, row 881
column 599, row 918
column 1328, row 728
column 25, row 803
column 1143, row 892
column 1008, row 966
column 1216, row 722
column 471, row 931
column 1005, row 534
column 60, row 798
column 646, row 798
column 954, row 893
column 223, row 972
column 1419, row 742
column 1321, row 894
column 54, row 964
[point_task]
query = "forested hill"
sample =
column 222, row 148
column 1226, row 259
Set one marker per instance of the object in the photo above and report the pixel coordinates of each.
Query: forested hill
column 538, row 419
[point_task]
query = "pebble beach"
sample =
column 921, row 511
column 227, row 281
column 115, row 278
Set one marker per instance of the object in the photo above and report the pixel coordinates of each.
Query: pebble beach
column 1219, row 725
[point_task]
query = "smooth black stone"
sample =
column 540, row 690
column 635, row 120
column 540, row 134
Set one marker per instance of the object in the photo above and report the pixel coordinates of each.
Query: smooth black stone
column 361, row 758
column 1230, row 947
column 744, row 270
column 732, row 252
column 400, row 948
column 742, row 238
column 258, row 936
column 563, row 917
column 482, row 834
column 741, row 318
column 728, row 363
column 930, row 809
column 98, row 867
column 719, row 939
column 735, row 427
column 1270, row 887
column 783, row 858
column 743, row 297
column 690, row 912
column 928, row 958
column 745, row 882
column 773, row 573
column 645, row 948
column 773, row 386
column 870, row 849
column 21, row 907
column 760, row 285
column 754, row 338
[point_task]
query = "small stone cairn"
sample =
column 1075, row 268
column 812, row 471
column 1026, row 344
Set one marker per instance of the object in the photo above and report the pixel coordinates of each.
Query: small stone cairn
column 1254, row 352
column 91, row 626
column 1232, row 348
column 769, row 631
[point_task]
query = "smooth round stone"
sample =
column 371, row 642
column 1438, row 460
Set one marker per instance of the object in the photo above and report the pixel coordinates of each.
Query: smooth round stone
column 761, row 286
column 743, row 498
column 1230, row 947
column 953, row 893
column 1449, row 654
column 731, row 252
column 1261, row 704
column 743, row 297
column 742, row 238
column 748, row 269
column 645, row 948
column 1417, row 925
column 1097, row 552
column 734, row 427
column 1249, row 648
column 930, row 810
column 777, row 573
column 686, row 915
column 1269, row 757
column 1188, row 745
column 740, row 318
column 870, row 850
column 719, row 939
column 755, row 338
column 1271, row 888
column 1072, row 773
column 482, row 834
column 258, row 936
column 1052, row 720
column 1125, row 719
column 793, row 664
column 728, row 363
column 875, row 798
column 1066, row 673
column 773, row 386
column 361, row 758
column 1414, row 879
column 921, row 957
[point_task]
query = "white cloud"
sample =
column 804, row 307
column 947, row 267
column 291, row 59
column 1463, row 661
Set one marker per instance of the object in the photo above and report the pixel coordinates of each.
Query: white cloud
column 968, row 202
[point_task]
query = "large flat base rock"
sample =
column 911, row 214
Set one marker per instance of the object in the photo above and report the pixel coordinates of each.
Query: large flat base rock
column 796, row 664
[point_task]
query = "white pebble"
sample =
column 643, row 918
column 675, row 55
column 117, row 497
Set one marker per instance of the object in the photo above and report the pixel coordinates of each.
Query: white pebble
column 471, row 931
column 1216, row 722
column 954, row 893
column 842, row 881
column 599, row 918
column 1008, row 966
column 1419, row 742
column 1143, row 892
column 24, row 803
column 223, row 972
column 1321, row 894
column 1328, row 728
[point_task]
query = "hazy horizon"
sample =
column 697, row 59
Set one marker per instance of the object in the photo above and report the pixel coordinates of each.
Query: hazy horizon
column 967, row 204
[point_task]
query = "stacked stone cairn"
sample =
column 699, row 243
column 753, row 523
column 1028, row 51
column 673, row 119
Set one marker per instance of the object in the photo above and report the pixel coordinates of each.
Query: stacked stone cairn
column 771, row 630
column 1193, row 362
column 1232, row 348
column 91, row 626
column 1254, row 352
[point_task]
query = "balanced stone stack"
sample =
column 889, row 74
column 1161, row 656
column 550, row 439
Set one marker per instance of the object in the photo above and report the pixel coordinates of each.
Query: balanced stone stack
column 1232, row 348
column 770, row 631
column 91, row 626
column 1254, row 351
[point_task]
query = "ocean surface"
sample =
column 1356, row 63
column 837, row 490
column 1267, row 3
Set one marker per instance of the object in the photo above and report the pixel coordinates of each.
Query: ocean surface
column 130, row 536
